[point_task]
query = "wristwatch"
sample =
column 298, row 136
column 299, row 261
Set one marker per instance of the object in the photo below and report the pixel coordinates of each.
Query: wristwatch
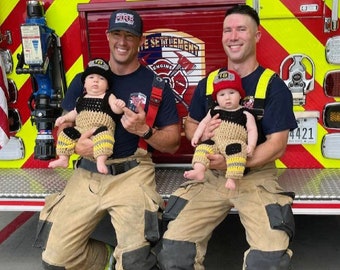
column 147, row 135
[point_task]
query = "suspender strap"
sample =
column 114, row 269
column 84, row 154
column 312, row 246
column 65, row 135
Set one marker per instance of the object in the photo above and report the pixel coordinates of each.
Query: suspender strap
column 261, row 88
column 155, row 101
column 260, row 92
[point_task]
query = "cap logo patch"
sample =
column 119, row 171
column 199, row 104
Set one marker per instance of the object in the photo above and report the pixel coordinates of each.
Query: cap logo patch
column 226, row 76
column 125, row 18
column 98, row 63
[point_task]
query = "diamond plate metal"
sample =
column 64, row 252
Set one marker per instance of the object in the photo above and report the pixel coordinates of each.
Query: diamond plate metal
column 32, row 183
column 311, row 184
column 308, row 184
column 168, row 179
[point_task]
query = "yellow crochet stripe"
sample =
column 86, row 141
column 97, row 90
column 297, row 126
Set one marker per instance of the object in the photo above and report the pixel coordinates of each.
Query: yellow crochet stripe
column 236, row 167
column 200, row 154
column 103, row 144
column 236, row 161
column 203, row 149
column 65, row 146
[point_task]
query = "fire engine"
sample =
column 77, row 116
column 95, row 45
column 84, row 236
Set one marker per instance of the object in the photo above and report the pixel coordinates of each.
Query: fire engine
column 44, row 44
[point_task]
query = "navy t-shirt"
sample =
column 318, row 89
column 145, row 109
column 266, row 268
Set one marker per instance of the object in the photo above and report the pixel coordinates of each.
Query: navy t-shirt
column 278, row 107
column 139, row 81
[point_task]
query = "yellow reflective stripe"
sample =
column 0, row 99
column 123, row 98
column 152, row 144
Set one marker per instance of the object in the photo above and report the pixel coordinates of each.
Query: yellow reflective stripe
column 19, row 80
column 280, row 164
column 75, row 69
column 261, row 88
column 26, row 133
column 59, row 23
column 6, row 9
column 210, row 82
column 280, row 28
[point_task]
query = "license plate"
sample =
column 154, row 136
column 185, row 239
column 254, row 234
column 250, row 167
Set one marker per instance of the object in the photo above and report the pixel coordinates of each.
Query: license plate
column 305, row 133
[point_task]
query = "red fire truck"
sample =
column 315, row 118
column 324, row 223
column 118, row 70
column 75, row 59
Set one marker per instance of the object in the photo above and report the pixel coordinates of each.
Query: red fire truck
column 300, row 42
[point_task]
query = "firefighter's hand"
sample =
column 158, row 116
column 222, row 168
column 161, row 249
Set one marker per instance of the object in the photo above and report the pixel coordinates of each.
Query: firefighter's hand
column 210, row 128
column 84, row 146
column 134, row 122
column 217, row 162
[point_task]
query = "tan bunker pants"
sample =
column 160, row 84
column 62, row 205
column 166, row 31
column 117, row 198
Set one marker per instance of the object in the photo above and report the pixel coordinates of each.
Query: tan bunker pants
column 196, row 209
column 69, row 218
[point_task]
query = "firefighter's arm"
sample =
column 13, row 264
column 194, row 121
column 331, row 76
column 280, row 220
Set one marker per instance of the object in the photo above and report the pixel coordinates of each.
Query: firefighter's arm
column 166, row 139
column 273, row 148
column 84, row 145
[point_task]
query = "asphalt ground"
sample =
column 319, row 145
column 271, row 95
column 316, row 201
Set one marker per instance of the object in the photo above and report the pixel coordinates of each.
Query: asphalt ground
column 316, row 245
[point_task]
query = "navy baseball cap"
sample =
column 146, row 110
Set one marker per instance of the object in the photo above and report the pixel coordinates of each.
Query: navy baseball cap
column 126, row 20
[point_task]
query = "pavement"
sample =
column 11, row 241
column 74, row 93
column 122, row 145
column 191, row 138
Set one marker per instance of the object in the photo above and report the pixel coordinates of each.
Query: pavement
column 316, row 245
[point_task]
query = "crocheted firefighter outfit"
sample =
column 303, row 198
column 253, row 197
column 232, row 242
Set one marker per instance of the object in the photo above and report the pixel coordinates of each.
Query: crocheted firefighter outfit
column 92, row 112
column 229, row 140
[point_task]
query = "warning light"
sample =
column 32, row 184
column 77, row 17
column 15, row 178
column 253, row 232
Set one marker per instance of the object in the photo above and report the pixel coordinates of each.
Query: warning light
column 331, row 84
column 331, row 115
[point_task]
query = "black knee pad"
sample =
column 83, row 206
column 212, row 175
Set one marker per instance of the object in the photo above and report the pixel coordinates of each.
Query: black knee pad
column 281, row 218
column 177, row 255
column 233, row 148
column 43, row 231
column 173, row 208
column 152, row 227
column 72, row 133
column 141, row 259
column 273, row 260
column 47, row 266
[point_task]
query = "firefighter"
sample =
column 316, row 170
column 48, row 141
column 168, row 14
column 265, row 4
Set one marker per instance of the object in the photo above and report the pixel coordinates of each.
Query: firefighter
column 128, row 193
column 195, row 209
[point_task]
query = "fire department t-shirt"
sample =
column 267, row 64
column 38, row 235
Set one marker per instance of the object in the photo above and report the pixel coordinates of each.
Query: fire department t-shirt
column 139, row 81
column 278, row 107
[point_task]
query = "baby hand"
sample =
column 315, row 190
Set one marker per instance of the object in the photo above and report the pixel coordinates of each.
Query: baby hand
column 250, row 150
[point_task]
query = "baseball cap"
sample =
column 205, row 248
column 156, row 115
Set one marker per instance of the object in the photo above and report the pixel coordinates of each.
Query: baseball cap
column 228, row 79
column 98, row 66
column 126, row 20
